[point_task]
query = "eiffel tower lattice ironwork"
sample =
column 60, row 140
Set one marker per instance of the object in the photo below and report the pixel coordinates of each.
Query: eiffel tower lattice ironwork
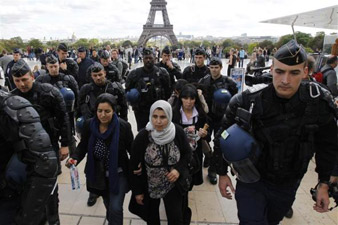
column 152, row 30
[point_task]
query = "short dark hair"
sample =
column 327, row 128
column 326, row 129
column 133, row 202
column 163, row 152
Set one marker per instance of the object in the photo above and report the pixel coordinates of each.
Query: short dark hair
column 216, row 61
column 331, row 59
column 62, row 47
column 106, row 98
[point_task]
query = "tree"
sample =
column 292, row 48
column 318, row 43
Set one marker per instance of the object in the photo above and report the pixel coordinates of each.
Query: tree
column 104, row 44
column 82, row 42
column 35, row 43
column 317, row 42
column 127, row 43
column 266, row 44
column 302, row 38
column 52, row 44
column 251, row 47
column 94, row 42
column 227, row 43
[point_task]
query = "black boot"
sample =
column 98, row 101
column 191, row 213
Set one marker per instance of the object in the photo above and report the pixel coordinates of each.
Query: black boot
column 92, row 199
column 289, row 214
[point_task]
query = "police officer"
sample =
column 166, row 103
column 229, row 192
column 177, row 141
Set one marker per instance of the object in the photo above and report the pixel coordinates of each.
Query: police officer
column 271, row 135
column 8, row 75
column 67, row 65
column 152, row 83
column 219, row 90
column 195, row 72
column 89, row 94
column 28, row 163
column 100, row 84
column 112, row 72
column 173, row 68
column 84, row 63
column 49, row 103
column 68, row 87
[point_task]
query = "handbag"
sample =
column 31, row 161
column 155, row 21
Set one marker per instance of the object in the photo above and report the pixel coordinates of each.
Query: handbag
column 140, row 210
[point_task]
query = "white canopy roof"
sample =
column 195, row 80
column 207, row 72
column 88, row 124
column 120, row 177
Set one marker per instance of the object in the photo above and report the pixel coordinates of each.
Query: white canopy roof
column 326, row 18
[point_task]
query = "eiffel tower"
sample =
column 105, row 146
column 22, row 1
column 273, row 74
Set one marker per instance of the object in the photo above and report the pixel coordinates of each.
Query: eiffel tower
column 152, row 30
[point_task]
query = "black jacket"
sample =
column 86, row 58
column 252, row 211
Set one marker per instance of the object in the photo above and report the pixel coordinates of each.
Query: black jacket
column 125, row 140
column 139, row 182
column 288, row 132
column 193, row 73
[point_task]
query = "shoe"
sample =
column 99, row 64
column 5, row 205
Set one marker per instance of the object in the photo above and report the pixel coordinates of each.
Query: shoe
column 289, row 214
column 92, row 200
column 212, row 179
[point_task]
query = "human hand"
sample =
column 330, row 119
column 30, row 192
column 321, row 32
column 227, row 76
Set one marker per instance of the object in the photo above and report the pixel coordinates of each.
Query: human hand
column 78, row 60
column 170, row 64
column 224, row 183
column 63, row 153
column 71, row 162
column 200, row 92
column 334, row 179
column 202, row 132
column 322, row 203
column 139, row 199
column 63, row 66
column 173, row 175
column 139, row 171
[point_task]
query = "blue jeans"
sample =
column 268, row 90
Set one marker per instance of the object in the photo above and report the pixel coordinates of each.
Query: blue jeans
column 263, row 203
column 114, row 202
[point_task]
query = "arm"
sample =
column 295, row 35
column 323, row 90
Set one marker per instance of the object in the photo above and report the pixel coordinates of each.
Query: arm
column 83, row 106
column 332, row 82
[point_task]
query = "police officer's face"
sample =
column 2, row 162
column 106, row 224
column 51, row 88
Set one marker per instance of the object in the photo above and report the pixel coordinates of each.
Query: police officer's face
column 104, row 62
column 62, row 55
column 99, row 78
column 165, row 57
column 53, row 69
column 199, row 60
column 149, row 61
column 24, row 83
column 16, row 57
column 215, row 71
column 104, row 113
column 188, row 103
column 286, row 79
column 159, row 120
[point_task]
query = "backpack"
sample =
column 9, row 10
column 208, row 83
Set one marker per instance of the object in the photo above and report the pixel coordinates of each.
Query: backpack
column 319, row 76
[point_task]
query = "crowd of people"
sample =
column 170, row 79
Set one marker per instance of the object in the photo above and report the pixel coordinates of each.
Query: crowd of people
column 267, row 136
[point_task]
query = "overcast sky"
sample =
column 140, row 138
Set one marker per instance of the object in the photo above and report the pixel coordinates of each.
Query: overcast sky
column 121, row 18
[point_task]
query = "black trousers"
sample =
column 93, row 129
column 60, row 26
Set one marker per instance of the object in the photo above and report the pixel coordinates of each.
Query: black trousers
column 263, row 203
column 142, row 118
column 173, row 203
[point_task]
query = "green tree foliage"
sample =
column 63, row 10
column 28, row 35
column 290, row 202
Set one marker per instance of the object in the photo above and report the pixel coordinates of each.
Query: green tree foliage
column 82, row 42
column 127, row 43
column 302, row 38
column 251, row 47
column 227, row 43
column 35, row 43
column 266, row 44
column 94, row 42
column 52, row 44
column 317, row 42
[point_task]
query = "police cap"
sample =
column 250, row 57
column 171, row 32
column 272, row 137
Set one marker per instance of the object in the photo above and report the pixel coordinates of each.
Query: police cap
column 81, row 49
column 51, row 59
column 291, row 54
column 62, row 47
column 148, row 51
column 16, row 50
column 166, row 50
column 96, row 67
column 105, row 55
column 200, row 51
column 20, row 68
column 215, row 61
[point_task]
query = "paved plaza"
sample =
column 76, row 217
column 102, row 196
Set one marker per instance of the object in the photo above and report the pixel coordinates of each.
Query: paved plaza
column 208, row 207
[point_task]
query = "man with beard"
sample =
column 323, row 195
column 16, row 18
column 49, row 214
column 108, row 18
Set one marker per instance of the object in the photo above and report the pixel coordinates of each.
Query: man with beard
column 152, row 83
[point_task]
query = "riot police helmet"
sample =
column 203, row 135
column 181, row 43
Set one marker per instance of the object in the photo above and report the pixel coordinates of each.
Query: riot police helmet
column 133, row 95
column 69, row 97
column 222, row 96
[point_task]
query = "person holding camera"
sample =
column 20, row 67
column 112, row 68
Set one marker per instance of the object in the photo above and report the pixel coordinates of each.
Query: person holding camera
column 270, row 135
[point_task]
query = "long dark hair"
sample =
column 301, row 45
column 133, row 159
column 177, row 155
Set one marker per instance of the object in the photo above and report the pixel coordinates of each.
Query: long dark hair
column 188, row 90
